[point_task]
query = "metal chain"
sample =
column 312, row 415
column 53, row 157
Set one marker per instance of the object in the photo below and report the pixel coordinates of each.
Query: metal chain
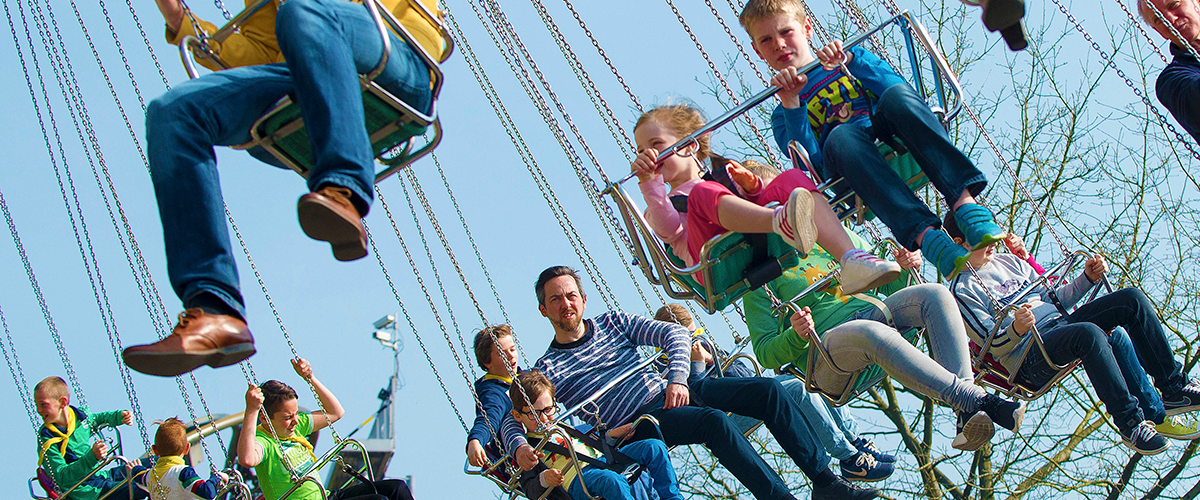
column 18, row 374
column 1150, row 41
column 412, row 325
column 774, row 159
column 146, row 42
column 733, row 38
column 611, row 67
column 1171, row 27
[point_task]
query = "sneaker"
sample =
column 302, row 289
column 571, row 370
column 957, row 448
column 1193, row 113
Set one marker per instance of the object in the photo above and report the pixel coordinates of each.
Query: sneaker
column 977, row 223
column 840, row 489
column 1008, row 414
column 863, row 467
column 1144, row 439
column 794, row 221
column 943, row 252
column 1184, row 400
column 864, row 271
column 974, row 431
column 1177, row 427
column 867, row 446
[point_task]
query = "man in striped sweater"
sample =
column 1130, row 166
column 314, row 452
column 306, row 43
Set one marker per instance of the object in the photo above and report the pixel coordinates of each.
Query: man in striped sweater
column 586, row 354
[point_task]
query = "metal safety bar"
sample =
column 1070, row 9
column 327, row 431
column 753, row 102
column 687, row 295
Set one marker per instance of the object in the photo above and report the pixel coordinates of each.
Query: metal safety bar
column 333, row 454
column 638, row 368
column 126, row 483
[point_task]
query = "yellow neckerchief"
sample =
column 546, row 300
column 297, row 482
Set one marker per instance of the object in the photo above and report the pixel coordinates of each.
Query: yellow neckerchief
column 161, row 467
column 294, row 438
column 61, row 438
column 503, row 378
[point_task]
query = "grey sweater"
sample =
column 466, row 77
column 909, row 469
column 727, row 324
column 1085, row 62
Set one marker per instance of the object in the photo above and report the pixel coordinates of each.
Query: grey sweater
column 1003, row 278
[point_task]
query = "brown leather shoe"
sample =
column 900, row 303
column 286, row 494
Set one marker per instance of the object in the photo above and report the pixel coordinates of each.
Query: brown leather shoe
column 200, row 338
column 327, row 215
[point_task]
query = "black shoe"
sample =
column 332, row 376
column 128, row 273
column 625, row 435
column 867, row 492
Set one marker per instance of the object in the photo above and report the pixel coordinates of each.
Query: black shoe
column 1184, row 400
column 1007, row 414
column 1144, row 439
column 974, row 431
column 840, row 489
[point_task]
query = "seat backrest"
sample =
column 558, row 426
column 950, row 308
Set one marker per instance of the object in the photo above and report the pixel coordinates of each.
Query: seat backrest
column 47, row 483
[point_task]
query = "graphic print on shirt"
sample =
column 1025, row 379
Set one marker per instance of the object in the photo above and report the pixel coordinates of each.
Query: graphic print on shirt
column 298, row 457
column 813, row 273
column 833, row 102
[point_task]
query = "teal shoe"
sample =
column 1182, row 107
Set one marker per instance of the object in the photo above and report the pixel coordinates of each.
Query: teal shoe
column 977, row 223
column 943, row 252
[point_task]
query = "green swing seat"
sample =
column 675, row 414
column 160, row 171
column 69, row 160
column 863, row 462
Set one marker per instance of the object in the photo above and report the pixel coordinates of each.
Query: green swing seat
column 739, row 263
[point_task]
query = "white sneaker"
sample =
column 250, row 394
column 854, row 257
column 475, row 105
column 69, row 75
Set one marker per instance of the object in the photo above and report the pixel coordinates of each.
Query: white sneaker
column 794, row 221
column 865, row 271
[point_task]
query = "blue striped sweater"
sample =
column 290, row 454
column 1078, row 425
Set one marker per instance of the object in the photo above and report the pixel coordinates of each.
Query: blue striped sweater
column 608, row 349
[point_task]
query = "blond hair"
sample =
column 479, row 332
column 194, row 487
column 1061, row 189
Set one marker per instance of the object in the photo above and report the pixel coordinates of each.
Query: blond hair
column 757, row 10
column 674, row 313
column 681, row 119
column 170, row 440
column 54, row 387
column 1144, row 10
column 764, row 171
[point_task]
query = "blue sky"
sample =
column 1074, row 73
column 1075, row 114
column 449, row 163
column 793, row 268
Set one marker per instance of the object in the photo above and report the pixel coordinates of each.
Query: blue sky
column 328, row 307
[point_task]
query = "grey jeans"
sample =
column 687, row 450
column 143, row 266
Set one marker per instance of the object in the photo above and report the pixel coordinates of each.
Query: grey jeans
column 867, row 339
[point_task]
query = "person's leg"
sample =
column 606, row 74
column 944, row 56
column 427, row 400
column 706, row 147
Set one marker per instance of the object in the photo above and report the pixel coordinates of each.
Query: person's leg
column 713, row 429
column 1135, row 376
column 653, row 455
column 931, row 306
column 831, row 235
column 1087, row 343
column 327, row 44
column 599, row 482
column 816, row 414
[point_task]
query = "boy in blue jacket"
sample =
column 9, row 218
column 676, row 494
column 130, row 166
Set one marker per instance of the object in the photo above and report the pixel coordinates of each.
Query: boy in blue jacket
column 499, row 358
column 838, row 122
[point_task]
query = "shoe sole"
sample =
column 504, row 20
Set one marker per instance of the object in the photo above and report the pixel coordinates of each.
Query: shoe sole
column 883, row 279
column 861, row 479
column 988, row 240
column 1171, row 412
column 1180, row 437
column 171, row 364
column 1146, row 453
column 977, row 432
column 801, row 205
column 321, row 222
column 1000, row 14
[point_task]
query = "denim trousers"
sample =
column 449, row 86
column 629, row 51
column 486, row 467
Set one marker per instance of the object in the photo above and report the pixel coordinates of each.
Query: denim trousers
column 326, row 44
column 833, row 425
column 850, row 152
column 656, row 463
column 705, row 422
column 1113, row 365
column 867, row 340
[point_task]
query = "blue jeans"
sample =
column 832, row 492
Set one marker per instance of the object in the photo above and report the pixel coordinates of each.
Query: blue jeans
column 1108, row 361
column 705, row 422
column 326, row 44
column 652, row 454
column 850, row 152
column 834, row 426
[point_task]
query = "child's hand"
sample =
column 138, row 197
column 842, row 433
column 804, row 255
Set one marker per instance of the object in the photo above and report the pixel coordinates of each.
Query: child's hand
column 1095, row 268
column 1023, row 319
column 910, row 260
column 223, row 476
column 747, row 180
column 552, row 478
column 644, row 165
column 475, row 454
column 526, row 457
column 254, row 397
column 699, row 353
column 832, row 55
column 1016, row 245
column 126, row 417
column 99, row 449
column 790, row 83
column 619, row 431
column 803, row 323
column 302, row 367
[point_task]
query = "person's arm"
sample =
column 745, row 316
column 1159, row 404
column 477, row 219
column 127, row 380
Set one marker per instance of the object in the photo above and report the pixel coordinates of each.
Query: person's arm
column 666, row 222
column 1070, row 293
column 206, row 489
column 1178, row 88
column 67, row 474
column 113, row 418
column 487, row 423
column 976, row 309
column 254, row 43
column 792, row 125
column 874, row 73
column 333, row 410
column 250, row 453
column 673, row 339
column 773, row 347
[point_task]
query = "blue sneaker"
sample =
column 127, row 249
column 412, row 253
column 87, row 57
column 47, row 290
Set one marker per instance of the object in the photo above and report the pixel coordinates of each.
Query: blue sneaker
column 867, row 446
column 863, row 467
column 943, row 252
column 978, row 225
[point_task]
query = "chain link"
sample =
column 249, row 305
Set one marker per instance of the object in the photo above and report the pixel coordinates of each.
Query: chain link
column 1150, row 41
column 18, row 374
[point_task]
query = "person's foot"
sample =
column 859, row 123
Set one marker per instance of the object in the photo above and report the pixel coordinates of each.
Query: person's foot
column 1184, row 400
column 1000, row 14
column 840, row 489
column 974, row 431
column 978, row 225
column 328, row 215
column 862, row 466
column 794, row 221
column 867, row 446
column 200, row 338
column 1005, row 413
column 1144, row 439
column 948, row 256
column 864, row 272
column 1177, row 427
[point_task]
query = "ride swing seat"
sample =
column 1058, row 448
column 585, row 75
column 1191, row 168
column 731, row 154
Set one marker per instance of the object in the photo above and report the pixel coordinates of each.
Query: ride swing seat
column 990, row 373
column 45, row 480
column 393, row 125
column 731, row 265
